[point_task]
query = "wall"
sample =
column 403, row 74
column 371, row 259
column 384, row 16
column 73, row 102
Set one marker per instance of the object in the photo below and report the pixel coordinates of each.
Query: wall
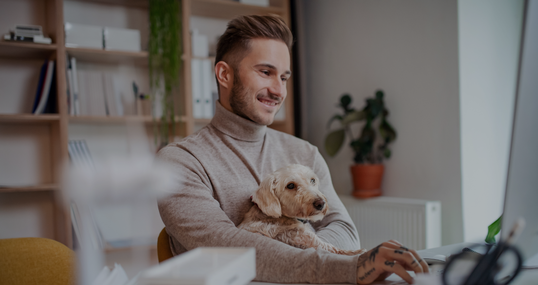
column 410, row 50
column 489, row 40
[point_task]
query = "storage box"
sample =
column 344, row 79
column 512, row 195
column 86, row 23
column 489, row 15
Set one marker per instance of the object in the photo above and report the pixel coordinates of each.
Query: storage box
column 208, row 266
column 86, row 36
column 121, row 39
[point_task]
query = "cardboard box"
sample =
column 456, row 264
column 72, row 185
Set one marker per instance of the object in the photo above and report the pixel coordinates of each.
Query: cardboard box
column 121, row 39
column 86, row 36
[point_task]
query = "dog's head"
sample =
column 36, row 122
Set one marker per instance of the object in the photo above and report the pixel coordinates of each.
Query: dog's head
column 291, row 191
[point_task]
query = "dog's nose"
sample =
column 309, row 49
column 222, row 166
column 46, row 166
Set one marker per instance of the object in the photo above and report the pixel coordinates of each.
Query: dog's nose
column 319, row 204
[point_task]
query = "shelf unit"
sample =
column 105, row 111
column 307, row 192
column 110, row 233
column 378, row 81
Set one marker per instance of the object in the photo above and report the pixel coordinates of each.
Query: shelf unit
column 50, row 15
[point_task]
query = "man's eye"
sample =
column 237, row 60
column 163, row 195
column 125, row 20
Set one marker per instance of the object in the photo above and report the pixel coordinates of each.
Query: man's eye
column 284, row 79
column 265, row 72
column 290, row 186
column 313, row 181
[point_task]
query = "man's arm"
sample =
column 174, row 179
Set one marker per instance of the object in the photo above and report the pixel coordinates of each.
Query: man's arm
column 336, row 228
column 194, row 217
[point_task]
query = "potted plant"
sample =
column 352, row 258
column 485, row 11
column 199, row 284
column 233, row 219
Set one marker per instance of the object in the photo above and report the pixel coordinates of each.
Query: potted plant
column 164, row 64
column 370, row 149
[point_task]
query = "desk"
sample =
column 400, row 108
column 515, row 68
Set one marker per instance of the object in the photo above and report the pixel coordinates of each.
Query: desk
column 525, row 277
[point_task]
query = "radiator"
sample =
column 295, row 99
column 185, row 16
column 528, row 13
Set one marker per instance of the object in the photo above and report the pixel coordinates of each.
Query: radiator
column 414, row 223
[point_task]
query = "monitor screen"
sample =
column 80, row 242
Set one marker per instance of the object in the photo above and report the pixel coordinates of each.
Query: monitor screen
column 521, row 198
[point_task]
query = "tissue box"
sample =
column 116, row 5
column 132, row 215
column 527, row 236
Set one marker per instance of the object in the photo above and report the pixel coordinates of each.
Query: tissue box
column 121, row 39
column 207, row 266
column 86, row 36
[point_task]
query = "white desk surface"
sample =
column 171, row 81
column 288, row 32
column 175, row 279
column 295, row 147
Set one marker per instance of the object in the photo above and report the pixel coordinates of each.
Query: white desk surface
column 525, row 277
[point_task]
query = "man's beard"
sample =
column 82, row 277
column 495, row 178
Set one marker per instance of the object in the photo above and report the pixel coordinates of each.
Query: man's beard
column 239, row 102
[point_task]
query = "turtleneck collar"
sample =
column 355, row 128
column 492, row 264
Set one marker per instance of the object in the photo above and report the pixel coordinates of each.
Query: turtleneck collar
column 235, row 126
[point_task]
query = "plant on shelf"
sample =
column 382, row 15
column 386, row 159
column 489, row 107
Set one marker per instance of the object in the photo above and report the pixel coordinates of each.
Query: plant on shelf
column 369, row 149
column 164, row 64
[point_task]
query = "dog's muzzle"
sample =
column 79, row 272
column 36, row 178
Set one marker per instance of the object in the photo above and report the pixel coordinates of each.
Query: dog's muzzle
column 319, row 204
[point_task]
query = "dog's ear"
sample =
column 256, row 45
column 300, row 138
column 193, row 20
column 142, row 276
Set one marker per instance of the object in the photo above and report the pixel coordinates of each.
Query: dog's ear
column 266, row 199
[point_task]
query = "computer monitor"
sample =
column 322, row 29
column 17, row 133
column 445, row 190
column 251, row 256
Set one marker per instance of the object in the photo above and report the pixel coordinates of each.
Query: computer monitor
column 521, row 198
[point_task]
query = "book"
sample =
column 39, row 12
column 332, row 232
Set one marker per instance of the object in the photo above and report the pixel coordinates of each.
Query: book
column 51, row 107
column 75, row 90
column 82, row 94
column 45, row 92
column 40, row 85
column 95, row 96
column 114, row 105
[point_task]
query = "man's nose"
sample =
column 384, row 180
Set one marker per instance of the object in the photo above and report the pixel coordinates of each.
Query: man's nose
column 278, row 88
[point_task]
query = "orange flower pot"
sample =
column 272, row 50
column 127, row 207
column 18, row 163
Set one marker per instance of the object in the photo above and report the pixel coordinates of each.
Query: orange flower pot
column 367, row 180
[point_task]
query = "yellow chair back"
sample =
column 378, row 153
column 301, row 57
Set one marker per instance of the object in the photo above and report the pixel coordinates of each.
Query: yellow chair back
column 26, row 261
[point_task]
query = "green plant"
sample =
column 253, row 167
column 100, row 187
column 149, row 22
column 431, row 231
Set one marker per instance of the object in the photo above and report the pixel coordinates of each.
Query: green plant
column 493, row 230
column 164, row 62
column 367, row 149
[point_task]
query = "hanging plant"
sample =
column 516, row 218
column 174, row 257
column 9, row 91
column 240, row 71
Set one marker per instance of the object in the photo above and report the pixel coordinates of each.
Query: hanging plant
column 164, row 64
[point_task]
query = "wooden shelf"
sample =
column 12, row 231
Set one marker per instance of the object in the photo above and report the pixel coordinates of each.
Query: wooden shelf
column 44, row 187
column 229, row 10
column 29, row 118
column 124, row 119
column 109, row 56
column 128, row 3
column 24, row 50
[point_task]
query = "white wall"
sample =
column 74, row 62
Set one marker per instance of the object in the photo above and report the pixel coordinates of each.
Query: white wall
column 489, row 37
column 410, row 50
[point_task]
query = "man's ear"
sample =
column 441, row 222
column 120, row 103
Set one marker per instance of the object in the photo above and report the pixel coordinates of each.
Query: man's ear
column 266, row 199
column 224, row 74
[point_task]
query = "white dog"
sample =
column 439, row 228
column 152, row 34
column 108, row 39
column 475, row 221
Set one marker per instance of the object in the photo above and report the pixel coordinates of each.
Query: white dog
column 284, row 202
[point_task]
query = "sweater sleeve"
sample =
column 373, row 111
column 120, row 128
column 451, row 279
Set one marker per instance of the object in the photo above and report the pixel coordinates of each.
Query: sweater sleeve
column 336, row 227
column 193, row 216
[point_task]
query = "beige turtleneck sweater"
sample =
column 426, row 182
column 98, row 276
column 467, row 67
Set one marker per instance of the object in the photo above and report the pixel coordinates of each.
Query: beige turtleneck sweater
column 218, row 168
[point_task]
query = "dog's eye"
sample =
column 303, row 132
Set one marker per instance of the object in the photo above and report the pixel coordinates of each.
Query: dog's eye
column 313, row 181
column 290, row 186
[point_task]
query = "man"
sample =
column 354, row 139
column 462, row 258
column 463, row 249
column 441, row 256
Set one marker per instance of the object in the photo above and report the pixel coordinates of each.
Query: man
column 219, row 167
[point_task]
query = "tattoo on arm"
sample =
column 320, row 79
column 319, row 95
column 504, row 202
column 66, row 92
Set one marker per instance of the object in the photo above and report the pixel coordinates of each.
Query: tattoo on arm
column 398, row 251
column 362, row 260
column 389, row 263
column 366, row 274
column 374, row 252
column 404, row 248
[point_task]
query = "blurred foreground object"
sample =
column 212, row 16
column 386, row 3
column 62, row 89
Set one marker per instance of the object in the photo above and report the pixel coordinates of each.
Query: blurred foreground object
column 209, row 266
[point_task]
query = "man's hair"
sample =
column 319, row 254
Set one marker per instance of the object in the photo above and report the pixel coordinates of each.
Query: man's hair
column 235, row 42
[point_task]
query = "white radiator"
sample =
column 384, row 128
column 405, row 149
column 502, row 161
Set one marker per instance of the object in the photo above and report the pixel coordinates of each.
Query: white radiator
column 414, row 223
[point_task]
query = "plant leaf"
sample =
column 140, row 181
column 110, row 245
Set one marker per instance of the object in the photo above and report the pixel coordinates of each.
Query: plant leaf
column 345, row 100
column 493, row 230
column 353, row 116
column 387, row 132
column 334, row 141
column 335, row 117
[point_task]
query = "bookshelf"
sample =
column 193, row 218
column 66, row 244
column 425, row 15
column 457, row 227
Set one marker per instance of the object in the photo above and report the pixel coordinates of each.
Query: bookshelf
column 33, row 149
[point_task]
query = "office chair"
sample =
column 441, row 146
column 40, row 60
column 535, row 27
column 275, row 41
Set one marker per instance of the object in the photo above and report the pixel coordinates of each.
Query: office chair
column 26, row 261
column 163, row 246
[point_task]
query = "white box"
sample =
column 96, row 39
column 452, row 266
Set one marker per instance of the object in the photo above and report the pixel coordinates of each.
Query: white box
column 86, row 36
column 207, row 266
column 121, row 39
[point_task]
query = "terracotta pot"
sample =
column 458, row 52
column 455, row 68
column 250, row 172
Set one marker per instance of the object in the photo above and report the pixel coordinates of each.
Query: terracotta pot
column 367, row 180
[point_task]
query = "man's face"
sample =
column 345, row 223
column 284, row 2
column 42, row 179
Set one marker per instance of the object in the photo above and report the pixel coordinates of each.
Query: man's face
column 259, row 86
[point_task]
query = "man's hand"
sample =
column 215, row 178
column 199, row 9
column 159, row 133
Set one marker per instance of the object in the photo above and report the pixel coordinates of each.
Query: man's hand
column 387, row 258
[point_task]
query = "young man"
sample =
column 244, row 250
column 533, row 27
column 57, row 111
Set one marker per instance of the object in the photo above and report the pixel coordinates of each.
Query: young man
column 219, row 167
